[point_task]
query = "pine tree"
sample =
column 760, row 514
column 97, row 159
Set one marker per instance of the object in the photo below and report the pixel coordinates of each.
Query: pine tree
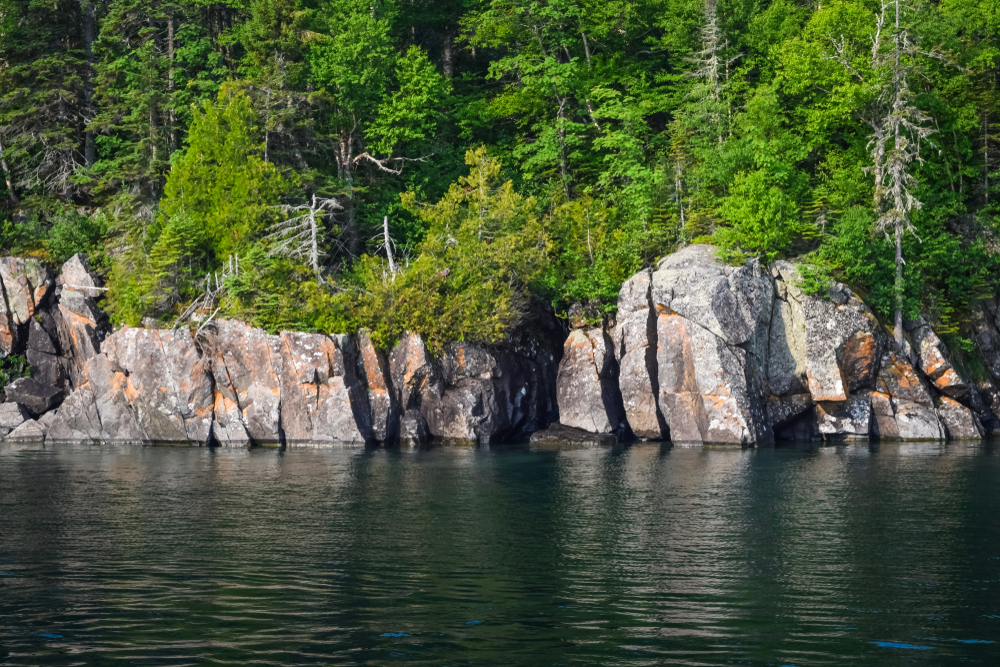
column 43, row 103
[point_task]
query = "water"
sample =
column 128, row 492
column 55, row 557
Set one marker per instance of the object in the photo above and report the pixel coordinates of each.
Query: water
column 646, row 555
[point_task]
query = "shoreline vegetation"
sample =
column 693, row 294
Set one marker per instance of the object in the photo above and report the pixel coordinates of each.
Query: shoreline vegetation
column 439, row 167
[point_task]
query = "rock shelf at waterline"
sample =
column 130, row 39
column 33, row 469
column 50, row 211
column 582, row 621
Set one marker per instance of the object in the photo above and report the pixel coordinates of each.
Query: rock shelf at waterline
column 699, row 352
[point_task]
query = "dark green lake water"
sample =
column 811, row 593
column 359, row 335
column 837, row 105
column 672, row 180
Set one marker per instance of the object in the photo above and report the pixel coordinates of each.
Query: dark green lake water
column 643, row 555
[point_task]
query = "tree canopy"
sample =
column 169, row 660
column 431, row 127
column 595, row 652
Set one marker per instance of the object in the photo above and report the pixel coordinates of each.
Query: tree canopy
column 448, row 163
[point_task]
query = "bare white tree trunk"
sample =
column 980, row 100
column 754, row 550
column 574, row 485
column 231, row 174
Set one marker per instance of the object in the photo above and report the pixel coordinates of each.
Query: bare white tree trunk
column 388, row 245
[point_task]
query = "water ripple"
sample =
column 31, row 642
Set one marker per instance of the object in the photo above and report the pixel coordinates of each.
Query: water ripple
column 643, row 555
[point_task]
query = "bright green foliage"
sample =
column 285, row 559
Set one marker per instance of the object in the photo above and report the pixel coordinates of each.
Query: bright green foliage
column 410, row 113
column 222, row 180
column 620, row 129
column 484, row 246
column 762, row 218
column 219, row 197
column 596, row 250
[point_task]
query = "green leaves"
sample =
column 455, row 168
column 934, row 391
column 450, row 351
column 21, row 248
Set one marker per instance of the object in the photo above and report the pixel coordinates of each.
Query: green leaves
column 221, row 180
column 469, row 280
column 411, row 112
column 762, row 218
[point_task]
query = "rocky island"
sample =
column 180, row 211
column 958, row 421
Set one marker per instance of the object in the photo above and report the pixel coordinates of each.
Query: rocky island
column 699, row 352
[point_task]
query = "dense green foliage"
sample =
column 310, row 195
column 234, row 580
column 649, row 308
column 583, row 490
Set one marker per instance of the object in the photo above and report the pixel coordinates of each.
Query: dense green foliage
column 435, row 165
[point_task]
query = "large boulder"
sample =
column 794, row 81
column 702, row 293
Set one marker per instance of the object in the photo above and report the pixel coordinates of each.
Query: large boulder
column 322, row 401
column 374, row 368
column 634, row 338
column 26, row 283
column 36, row 397
column 587, row 385
column 712, row 334
column 959, row 422
column 247, row 366
column 30, row 430
column 741, row 354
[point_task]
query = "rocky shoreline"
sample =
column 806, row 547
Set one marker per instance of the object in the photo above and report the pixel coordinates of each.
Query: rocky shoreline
column 699, row 353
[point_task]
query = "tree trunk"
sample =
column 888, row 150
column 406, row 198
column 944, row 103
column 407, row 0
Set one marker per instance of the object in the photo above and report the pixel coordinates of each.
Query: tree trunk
column 563, row 169
column 227, row 24
column 898, row 331
column 388, row 245
column 89, row 149
column 15, row 202
column 171, row 120
column 314, row 243
column 447, row 57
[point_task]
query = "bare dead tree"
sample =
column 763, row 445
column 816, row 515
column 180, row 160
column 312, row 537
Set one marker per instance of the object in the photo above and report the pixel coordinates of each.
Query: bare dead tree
column 907, row 125
column 213, row 286
column 299, row 236
column 711, row 67
column 387, row 241
column 898, row 127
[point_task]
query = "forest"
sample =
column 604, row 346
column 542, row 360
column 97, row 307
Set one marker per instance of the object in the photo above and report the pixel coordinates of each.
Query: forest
column 450, row 167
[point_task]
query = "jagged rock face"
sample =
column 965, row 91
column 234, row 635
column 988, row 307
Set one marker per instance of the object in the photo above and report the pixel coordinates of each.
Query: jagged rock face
column 835, row 343
column 959, row 421
column 910, row 404
column 78, row 325
column 705, row 393
column 247, row 366
column 472, row 393
column 322, row 399
column 26, row 283
column 412, row 370
column 244, row 387
column 99, row 409
column 48, row 366
column 587, row 385
column 709, row 340
column 934, row 362
column 739, row 354
column 166, row 381
column 374, row 367
column 479, row 394
column 634, row 338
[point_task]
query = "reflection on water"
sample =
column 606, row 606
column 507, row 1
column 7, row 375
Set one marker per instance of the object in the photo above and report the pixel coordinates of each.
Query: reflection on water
column 645, row 555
